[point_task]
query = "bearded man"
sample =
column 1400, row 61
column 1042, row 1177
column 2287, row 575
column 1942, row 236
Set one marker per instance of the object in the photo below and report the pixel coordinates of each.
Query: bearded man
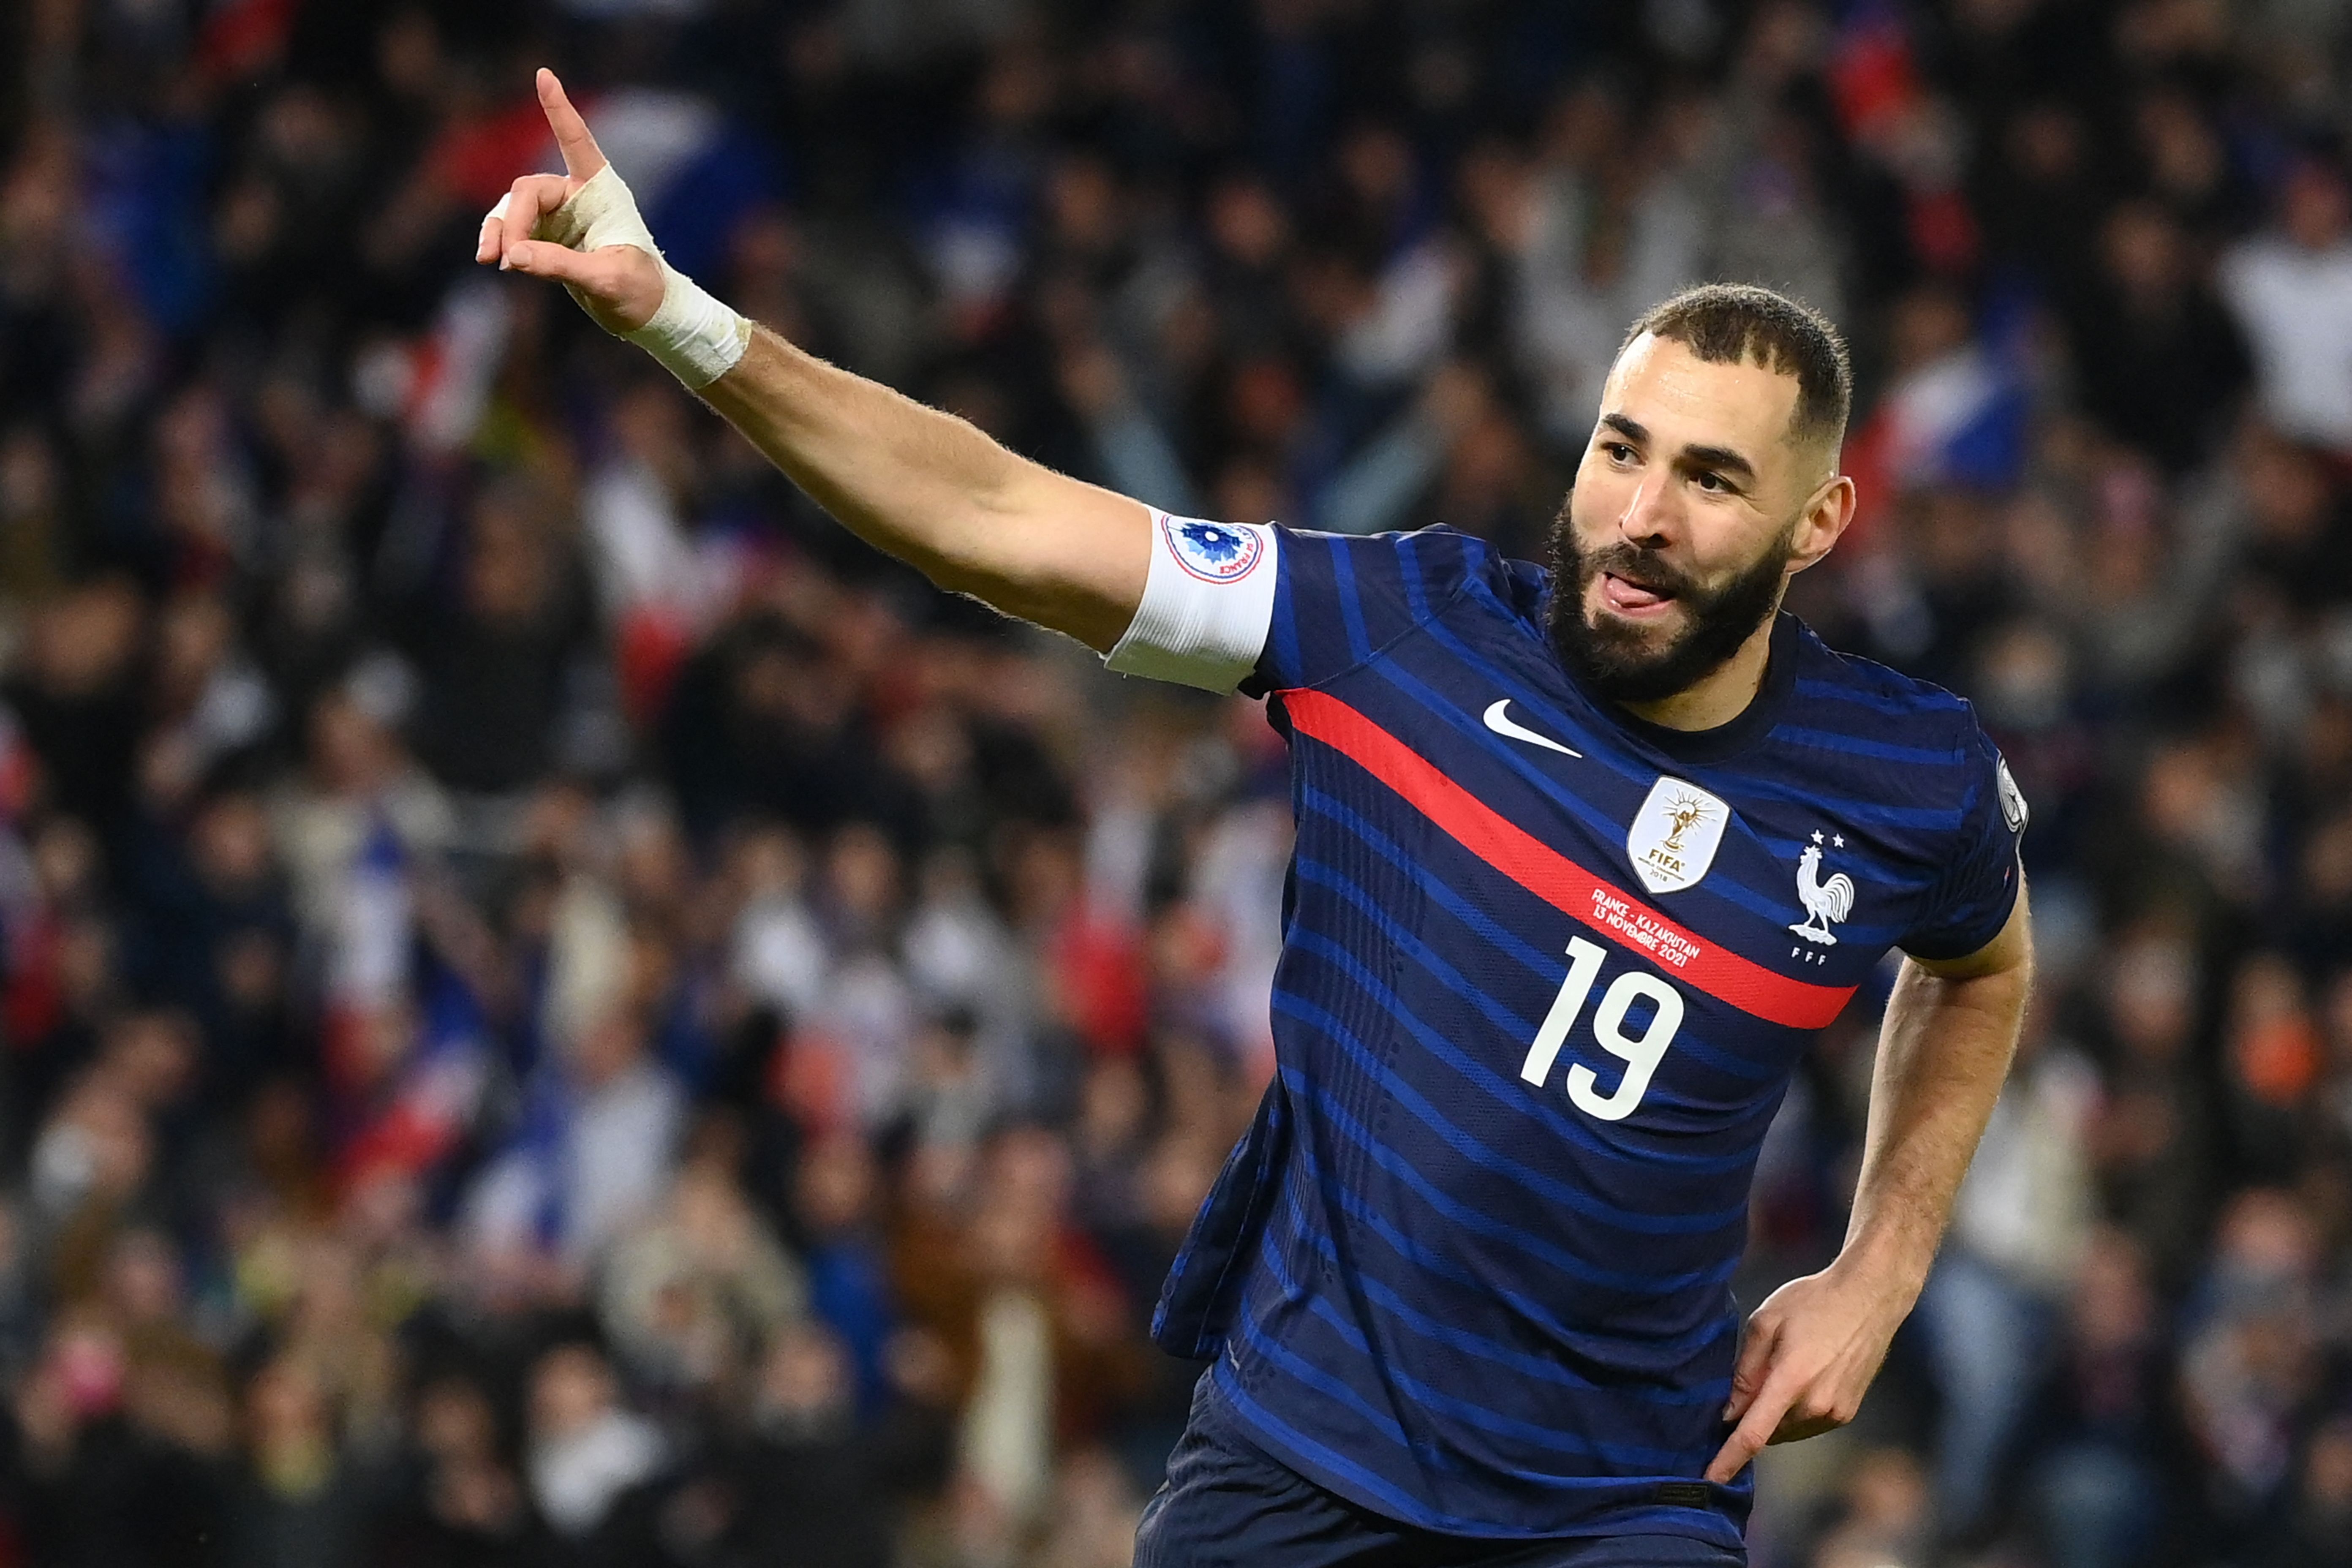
column 1586, row 857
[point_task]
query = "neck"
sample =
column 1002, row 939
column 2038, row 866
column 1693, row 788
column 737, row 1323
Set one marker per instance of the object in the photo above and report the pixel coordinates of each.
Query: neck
column 1719, row 697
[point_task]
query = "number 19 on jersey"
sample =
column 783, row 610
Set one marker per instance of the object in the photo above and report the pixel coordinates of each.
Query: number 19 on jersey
column 1641, row 1054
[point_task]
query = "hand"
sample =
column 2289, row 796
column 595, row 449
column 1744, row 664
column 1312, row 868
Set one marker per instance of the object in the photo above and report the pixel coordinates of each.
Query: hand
column 618, row 285
column 1812, row 1349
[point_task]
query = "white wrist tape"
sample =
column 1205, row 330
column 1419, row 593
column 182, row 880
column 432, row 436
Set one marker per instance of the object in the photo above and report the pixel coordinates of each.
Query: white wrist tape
column 697, row 338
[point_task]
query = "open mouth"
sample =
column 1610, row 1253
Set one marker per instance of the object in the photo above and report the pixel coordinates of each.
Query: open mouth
column 1629, row 597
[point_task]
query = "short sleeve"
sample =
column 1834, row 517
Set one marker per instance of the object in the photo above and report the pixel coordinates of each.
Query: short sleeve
column 1340, row 598
column 1971, row 901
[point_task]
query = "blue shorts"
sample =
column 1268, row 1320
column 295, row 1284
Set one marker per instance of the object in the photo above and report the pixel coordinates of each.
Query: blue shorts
column 1225, row 1504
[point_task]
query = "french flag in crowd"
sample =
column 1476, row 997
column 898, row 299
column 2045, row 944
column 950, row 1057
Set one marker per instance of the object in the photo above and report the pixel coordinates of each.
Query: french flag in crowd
column 1959, row 419
column 410, row 1073
column 367, row 961
column 439, row 385
column 436, row 1093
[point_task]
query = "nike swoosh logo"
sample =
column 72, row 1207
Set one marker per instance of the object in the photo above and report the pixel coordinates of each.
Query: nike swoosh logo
column 1499, row 722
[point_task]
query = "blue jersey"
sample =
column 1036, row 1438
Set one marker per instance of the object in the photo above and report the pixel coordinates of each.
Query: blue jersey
column 1546, row 972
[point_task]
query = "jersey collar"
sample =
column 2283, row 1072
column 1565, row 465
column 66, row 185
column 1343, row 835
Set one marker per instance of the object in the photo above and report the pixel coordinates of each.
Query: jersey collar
column 1751, row 724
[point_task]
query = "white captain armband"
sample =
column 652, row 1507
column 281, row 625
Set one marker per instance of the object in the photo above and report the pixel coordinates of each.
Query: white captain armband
column 1207, row 605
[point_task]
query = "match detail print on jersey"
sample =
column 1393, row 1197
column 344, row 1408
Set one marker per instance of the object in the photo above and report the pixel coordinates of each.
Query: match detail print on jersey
column 1557, row 880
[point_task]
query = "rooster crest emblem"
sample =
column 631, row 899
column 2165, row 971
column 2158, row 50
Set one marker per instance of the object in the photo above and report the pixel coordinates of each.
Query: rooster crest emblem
column 1825, row 903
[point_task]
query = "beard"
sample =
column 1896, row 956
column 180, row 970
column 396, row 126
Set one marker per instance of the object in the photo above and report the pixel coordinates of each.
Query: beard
column 1628, row 663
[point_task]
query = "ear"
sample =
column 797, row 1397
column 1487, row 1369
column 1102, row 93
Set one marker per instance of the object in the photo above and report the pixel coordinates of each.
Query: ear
column 1821, row 522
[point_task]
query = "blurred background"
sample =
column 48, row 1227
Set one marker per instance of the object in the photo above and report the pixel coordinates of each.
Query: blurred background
column 555, row 1009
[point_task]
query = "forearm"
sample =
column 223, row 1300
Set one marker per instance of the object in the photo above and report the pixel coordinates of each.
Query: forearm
column 919, row 484
column 934, row 491
column 1814, row 1345
column 1943, row 1052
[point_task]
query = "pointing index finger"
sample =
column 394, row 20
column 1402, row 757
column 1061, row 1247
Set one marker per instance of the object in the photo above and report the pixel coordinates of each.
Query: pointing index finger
column 582, row 157
column 1755, row 1429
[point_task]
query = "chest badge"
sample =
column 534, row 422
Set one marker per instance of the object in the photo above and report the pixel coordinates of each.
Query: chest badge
column 1825, row 902
column 1674, row 835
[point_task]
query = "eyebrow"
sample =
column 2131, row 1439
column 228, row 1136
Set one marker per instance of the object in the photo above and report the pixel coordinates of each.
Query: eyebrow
column 1722, row 458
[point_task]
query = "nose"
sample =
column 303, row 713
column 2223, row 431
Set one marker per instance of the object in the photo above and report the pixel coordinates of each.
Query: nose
column 1649, row 515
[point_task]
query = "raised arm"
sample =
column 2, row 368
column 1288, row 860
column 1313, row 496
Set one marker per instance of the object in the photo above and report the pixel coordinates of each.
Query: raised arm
column 1816, row 1343
column 924, row 486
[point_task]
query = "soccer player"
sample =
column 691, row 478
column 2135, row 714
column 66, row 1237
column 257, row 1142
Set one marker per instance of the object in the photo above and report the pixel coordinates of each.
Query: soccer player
column 1585, row 856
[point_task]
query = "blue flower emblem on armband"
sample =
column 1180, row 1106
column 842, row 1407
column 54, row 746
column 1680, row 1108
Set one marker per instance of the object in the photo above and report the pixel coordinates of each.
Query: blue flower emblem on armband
column 1212, row 551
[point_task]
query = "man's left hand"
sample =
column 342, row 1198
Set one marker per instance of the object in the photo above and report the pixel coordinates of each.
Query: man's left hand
column 1811, row 1351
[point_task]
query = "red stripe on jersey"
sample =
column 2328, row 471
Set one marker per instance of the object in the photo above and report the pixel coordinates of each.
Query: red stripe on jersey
column 1554, row 878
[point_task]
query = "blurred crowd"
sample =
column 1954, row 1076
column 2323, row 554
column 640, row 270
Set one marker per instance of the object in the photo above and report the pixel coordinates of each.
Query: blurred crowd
column 556, row 1009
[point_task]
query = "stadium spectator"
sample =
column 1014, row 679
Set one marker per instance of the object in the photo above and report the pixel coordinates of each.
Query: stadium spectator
column 555, row 1008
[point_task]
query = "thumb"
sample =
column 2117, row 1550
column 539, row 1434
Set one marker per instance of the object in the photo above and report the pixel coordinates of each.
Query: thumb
column 620, row 285
column 544, row 258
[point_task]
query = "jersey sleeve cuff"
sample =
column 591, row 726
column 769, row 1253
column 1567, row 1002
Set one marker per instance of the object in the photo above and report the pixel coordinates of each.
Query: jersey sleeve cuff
column 1208, row 603
column 1943, row 947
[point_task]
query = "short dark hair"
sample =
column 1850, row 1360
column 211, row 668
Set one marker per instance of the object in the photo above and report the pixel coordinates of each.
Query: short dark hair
column 1732, row 323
